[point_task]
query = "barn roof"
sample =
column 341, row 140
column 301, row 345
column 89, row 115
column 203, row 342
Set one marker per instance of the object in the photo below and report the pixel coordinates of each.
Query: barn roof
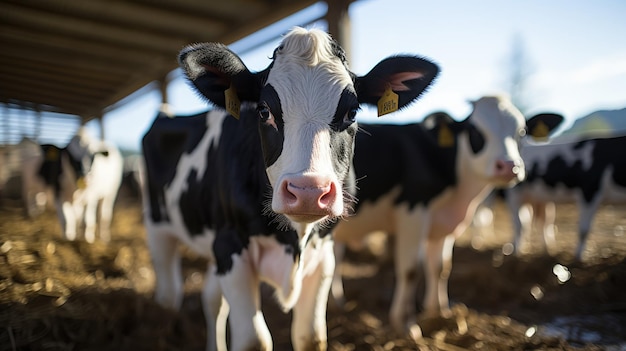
column 81, row 57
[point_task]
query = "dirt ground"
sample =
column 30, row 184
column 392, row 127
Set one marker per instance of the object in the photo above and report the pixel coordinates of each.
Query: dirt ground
column 59, row 295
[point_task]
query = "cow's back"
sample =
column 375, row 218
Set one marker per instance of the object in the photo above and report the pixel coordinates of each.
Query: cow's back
column 561, row 171
column 408, row 157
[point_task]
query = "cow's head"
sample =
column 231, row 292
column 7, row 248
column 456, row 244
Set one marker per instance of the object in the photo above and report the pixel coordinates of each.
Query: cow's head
column 307, row 100
column 491, row 137
column 81, row 152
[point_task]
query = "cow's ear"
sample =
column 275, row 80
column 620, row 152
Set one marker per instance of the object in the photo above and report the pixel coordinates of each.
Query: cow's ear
column 407, row 76
column 542, row 125
column 212, row 68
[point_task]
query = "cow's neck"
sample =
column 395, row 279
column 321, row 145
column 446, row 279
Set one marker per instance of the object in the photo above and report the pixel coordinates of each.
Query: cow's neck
column 304, row 231
column 469, row 184
column 455, row 209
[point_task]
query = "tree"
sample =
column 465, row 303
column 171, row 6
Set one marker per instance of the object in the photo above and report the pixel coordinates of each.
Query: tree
column 520, row 69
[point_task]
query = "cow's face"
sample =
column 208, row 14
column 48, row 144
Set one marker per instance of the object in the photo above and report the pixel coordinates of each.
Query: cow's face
column 307, row 101
column 495, row 132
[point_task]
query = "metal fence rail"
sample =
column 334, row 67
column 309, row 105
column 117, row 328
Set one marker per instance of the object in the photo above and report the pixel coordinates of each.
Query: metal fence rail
column 43, row 127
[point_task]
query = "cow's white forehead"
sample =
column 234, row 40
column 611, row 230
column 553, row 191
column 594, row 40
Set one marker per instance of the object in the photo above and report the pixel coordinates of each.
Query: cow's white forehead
column 497, row 114
column 307, row 75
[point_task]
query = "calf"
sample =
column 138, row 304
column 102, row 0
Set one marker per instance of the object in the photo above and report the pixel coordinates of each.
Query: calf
column 588, row 171
column 35, row 194
column 423, row 182
column 253, row 193
column 84, row 174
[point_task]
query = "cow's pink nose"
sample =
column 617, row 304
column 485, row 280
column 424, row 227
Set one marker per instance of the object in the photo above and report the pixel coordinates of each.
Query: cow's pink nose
column 307, row 197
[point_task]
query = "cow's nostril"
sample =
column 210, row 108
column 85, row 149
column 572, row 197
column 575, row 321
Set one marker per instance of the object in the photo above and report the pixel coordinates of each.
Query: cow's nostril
column 328, row 197
column 288, row 194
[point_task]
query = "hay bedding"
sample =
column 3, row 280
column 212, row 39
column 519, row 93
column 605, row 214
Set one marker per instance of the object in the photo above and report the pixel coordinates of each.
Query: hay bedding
column 58, row 295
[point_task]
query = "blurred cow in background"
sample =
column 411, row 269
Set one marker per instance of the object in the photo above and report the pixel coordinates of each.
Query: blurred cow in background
column 423, row 183
column 36, row 195
column 85, row 174
column 588, row 171
column 19, row 179
column 133, row 176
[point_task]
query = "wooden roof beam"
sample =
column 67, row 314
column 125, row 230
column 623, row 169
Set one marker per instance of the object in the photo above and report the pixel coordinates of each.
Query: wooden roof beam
column 80, row 28
column 129, row 13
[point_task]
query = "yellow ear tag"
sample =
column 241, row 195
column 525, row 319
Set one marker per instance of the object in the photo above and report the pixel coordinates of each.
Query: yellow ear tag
column 232, row 101
column 540, row 131
column 445, row 137
column 388, row 102
column 80, row 183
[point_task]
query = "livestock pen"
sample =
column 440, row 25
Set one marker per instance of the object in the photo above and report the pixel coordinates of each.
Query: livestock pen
column 62, row 295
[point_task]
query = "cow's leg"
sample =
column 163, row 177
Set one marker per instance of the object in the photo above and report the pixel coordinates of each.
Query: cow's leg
column 337, row 293
column 587, row 212
column 90, row 220
column 67, row 219
column 548, row 228
column 240, row 287
column 308, row 330
column 438, row 265
column 106, row 214
column 410, row 237
column 215, row 311
column 523, row 227
column 167, row 267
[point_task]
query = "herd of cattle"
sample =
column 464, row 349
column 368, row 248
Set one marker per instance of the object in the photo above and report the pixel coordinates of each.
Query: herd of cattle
column 275, row 182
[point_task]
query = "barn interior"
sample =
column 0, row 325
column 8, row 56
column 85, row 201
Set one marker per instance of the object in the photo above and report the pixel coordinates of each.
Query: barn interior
column 68, row 63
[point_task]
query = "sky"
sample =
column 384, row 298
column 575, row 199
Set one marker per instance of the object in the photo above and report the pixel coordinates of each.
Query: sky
column 574, row 57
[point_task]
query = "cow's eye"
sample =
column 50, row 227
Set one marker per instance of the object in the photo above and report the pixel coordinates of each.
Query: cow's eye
column 264, row 113
column 350, row 116
column 347, row 120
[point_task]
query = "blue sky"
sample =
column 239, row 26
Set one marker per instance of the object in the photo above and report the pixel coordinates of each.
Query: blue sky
column 575, row 54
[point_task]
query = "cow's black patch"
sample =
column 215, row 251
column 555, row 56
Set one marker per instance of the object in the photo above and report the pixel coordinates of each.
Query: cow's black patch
column 345, row 114
column 387, row 156
column 476, row 138
column 272, row 134
column 163, row 145
column 52, row 169
column 575, row 175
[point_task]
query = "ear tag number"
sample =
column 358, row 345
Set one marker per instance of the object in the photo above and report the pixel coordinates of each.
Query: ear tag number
column 540, row 132
column 445, row 137
column 232, row 101
column 388, row 102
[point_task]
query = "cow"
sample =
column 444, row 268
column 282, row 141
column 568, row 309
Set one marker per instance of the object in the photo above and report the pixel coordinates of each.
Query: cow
column 84, row 174
column 422, row 182
column 253, row 184
column 36, row 196
column 587, row 170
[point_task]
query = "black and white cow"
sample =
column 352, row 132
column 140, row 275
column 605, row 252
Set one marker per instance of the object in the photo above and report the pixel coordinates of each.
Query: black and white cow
column 252, row 193
column 85, row 174
column 423, row 182
column 588, row 171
